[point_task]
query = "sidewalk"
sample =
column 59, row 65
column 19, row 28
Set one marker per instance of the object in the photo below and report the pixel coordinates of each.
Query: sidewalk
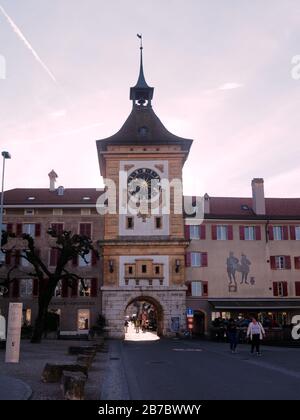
column 13, row 389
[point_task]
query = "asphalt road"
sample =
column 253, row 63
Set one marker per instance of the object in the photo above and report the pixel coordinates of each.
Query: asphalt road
column 199, row 370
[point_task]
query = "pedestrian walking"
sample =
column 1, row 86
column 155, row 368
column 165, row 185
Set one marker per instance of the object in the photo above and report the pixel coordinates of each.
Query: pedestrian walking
column 256, row 333
column 126, row 326
column 232, row 335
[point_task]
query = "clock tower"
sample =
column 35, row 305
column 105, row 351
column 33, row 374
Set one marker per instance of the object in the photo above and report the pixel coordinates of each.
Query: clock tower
column 144, row 243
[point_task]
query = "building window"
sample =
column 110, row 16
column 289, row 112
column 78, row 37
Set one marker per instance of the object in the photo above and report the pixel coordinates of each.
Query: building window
column 222, row 233
column 29, row 212
column 85, row 212
column 29, row 229
column 84, row 288
column 196, row 259
column 130, row 270
column 280, row 263
column 24, row 261
column 282, row 289
column 58, row 228
column 26, row 288
column 194, row 232
column 297, row 233
column 158, row 223
column 57, row 212
column 86, row 261
column 197, row 288
column 249, row 233
column 85, row 229
column 157, row 270
column 278, row 233
column 130, row 223
column 144, row 269
column 83, row 321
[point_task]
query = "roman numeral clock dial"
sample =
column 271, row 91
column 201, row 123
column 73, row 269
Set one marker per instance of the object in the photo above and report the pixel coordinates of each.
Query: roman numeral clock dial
column 144, row 184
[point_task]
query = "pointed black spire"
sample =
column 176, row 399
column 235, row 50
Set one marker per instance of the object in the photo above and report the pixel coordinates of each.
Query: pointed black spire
column 141, row 94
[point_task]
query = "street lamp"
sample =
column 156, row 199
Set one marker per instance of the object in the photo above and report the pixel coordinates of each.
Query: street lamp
column 5, row 155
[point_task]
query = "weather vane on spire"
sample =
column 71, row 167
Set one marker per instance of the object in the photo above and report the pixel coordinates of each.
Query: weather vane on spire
column 140, row 36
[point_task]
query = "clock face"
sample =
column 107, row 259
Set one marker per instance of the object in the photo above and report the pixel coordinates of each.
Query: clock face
column 144, row 183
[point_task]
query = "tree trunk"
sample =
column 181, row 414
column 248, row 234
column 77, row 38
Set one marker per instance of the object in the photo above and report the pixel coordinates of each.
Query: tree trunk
column 40, row 322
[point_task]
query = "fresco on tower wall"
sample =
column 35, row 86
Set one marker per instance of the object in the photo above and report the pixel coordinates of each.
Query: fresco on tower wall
column 239, row 271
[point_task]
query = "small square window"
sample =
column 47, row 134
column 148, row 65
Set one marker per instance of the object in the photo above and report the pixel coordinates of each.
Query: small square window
column 130, row 270
column 158, row 223
column 144, row 269
column 130, row 223
column 157, row 270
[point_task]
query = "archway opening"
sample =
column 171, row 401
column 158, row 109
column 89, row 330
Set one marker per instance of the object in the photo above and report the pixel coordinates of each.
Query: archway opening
column 143, row 320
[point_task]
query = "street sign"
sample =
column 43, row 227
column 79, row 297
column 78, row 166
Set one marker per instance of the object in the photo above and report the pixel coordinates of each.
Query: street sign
column 189, row 312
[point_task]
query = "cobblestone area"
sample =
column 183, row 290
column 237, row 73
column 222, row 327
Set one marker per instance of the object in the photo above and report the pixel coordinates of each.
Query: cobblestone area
column 33, row 359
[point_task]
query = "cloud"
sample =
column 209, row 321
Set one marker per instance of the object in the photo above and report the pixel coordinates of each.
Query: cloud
column 19, row 33
column 58, row 114
column 230, row 85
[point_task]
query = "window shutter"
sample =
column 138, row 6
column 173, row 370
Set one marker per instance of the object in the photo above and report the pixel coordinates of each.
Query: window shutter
column 204, row 259
column 37, row 230
column 81, row 229
column 214, row 232
column 8, row 258
column 189, row 289
column 19, row 229
column 273, row 263
column 187, row 233
column 242, row 233
column 297, row 288
column 271, row 233
column 230, row 232
column 9, row 228
column 17, row 257
column 35, row 290
column 94, row 284
column 205, row 288
column 16, row 288
column 257, row 233
column 94, row 258
column 297, row 263
column 53, row 257
column 285, row 233
column 64, row 288
column 275, row 289
column 288, row 262
column 74, row 288
column 188, row 259
column 202, row 232
column 293, row 233
column 285, row 288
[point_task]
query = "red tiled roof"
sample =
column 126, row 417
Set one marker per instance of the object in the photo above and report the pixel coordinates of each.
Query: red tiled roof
column 43, row 196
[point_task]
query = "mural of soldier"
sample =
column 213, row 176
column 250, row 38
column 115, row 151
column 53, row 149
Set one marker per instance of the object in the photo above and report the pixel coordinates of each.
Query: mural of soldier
column 232, row 265
column 244, row 268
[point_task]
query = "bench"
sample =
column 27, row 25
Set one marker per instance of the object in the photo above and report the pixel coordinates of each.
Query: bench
column 72, row 385
column 53, row 371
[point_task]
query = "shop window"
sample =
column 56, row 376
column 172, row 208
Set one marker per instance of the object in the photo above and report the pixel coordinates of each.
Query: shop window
column 83, row 321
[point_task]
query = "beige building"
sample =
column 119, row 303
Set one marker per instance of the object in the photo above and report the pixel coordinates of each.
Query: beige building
column 245, row 259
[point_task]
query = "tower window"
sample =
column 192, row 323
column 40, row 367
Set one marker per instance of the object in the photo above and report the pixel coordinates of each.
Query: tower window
column 143, row 131
column 158, row 223
column 157, row 270
column 130, row 223
column 130, row 270
column 144, row 269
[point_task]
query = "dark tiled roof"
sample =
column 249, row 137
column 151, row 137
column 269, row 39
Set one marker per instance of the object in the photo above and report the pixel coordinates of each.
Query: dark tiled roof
column 156, row 133
column 43, row 196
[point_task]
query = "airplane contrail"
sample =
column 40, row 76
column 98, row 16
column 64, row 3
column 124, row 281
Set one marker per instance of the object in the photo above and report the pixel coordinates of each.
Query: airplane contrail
column 19, row 33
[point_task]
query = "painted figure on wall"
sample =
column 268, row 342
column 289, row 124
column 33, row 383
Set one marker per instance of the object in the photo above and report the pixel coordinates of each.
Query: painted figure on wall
column 232, row 265
column 242, row 266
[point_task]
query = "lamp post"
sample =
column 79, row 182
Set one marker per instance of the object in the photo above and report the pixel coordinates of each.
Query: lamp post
column 5, row 155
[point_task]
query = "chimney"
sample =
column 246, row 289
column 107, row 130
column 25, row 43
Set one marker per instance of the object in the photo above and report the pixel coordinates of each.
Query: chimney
column 258, row 196
column 52, row 176
column 206, row 204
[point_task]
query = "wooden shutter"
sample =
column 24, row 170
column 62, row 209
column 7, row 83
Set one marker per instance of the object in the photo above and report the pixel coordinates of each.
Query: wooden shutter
column 230, row 232
column 214, row 232
column 297, row 288
column 205, row 288
column 202, row 232
column 94, row 258
column 271, row 233
column 188, row 259
column 74, row 288
column 273, row 263
column 293, row 233
column 297, row 263
column 16, row 288
column 204, row 259
column 189, row 289
column 287, row 262
column 53, row 257
column 285, row 233
column 19, row 229
column 9, row 228
column 94, row 287
column 242, row 233
column 257, row 233
column 285, row 288
column 187, row 232
column 37, row 230
column 275, row 289
column 64, row 288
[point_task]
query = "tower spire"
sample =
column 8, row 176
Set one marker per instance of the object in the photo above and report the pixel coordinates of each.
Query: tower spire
column 141, row 94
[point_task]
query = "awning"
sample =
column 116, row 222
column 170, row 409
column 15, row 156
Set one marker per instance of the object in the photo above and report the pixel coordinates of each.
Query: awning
column 256, row 304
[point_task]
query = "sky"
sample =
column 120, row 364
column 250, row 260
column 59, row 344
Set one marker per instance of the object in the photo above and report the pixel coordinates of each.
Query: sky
column 222, row 72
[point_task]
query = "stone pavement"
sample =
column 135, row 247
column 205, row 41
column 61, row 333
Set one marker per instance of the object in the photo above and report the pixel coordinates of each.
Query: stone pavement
column 13, row 389
column 132, row 335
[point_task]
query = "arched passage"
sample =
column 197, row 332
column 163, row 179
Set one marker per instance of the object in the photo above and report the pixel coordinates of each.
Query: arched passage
column 143, row 318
